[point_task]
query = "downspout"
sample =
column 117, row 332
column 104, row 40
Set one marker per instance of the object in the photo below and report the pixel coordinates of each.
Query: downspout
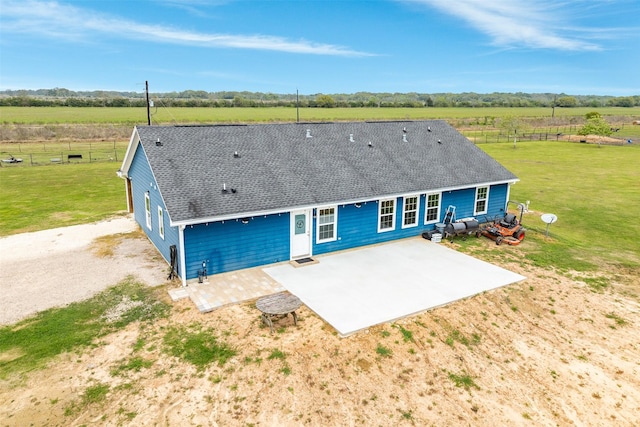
column 183, row 261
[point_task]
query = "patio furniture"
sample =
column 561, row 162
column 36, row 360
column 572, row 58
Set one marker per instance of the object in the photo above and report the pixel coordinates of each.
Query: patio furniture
column 278, row 306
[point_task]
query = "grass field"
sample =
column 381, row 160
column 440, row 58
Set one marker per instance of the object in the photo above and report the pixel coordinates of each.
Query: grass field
column 131, row 116
column 57, row 152
column 594, row 192
column 38, row 198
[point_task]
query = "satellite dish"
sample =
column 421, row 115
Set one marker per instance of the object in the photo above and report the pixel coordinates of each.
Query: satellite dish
column 548, row 219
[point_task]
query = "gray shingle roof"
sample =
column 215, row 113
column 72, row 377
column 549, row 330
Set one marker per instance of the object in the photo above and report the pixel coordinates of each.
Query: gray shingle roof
column 279, row 167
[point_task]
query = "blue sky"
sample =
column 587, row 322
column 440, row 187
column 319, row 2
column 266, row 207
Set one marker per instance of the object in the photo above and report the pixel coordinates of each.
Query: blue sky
column 578, row 47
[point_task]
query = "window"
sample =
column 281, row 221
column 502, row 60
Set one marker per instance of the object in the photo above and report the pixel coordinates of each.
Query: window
column 432, row 213
column 327, row 221
column 160, row 222
column 147, row 209
column 482, row 198
column 387, row 215
column 410, row 211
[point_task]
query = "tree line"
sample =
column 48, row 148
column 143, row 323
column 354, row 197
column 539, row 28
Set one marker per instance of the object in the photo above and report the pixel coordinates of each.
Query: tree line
column 194, row 98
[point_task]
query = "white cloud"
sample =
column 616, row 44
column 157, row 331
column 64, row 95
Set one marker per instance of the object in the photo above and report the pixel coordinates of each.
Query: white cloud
column 54, row 19
column 538, row 24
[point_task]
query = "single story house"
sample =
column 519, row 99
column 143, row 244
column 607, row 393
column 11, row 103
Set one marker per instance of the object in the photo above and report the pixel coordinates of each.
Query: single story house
column 227, row 197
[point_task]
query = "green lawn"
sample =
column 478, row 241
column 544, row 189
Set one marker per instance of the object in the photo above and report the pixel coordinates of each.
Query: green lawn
column 593, row 190
column 70, row 115
column 37, row 198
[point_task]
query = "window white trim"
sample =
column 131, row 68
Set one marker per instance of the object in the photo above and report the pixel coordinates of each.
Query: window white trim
column 481, row 200
column 161, row 222
column 432, row 209
column 327, row 224
column 413, row 213
column 386, row 213
column 147, row 210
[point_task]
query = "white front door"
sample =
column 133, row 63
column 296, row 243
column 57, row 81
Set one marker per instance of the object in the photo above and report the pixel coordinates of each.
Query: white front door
column 300, row 234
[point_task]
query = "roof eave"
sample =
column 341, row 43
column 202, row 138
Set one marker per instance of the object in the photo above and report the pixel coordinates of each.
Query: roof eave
column 218, row 218
column 134, row 141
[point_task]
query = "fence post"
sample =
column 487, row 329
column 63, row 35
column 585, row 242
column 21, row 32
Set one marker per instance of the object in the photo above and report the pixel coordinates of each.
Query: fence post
column 31, row 159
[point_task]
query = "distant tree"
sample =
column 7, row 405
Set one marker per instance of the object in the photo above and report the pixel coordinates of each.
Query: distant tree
column 596, row 126
column 325, row 101
column 623, row 101
column 566, row 101
column 239, row 101
column 373, row 102
column 441, row 101
column 511, row 125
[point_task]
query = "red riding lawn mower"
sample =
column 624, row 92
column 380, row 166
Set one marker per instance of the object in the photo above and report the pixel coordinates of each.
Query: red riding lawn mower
column 508, row 229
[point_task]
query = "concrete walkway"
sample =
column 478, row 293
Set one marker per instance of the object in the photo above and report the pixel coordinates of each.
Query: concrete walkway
column 356, row 289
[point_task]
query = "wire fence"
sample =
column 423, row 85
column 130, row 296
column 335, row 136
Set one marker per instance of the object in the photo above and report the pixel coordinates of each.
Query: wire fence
column 58, row 152
column 61, row 157
column 486, row 136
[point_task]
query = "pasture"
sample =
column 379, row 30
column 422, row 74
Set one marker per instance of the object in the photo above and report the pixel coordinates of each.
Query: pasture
column 39, row 198
column 132, row 116
column 594, row 192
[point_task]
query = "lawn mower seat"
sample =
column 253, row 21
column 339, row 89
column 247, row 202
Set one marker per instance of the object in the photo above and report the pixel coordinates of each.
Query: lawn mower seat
column 509, row 221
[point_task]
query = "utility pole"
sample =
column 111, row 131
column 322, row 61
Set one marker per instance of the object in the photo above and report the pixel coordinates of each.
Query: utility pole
column 146, row 84
column 297, row 108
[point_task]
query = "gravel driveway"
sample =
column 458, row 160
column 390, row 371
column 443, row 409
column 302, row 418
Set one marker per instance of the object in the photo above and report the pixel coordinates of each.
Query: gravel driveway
column 55, row 267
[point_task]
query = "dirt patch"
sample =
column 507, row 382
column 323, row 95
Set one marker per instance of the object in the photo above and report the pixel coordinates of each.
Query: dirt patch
column 546, row 351
column 55, row 267
column 593, row 139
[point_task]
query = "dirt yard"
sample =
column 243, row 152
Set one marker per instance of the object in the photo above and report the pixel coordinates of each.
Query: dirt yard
column 593, row 139
column 547, row 351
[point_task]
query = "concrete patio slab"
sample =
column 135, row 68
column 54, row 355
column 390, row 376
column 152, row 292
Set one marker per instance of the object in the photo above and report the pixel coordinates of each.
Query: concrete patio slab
column 356, row 289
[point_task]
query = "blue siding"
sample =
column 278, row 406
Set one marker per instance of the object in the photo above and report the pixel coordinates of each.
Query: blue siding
column 464, row 201
column 142, row 181
column 359, row 226
column 497, row 200
column 232, row 245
